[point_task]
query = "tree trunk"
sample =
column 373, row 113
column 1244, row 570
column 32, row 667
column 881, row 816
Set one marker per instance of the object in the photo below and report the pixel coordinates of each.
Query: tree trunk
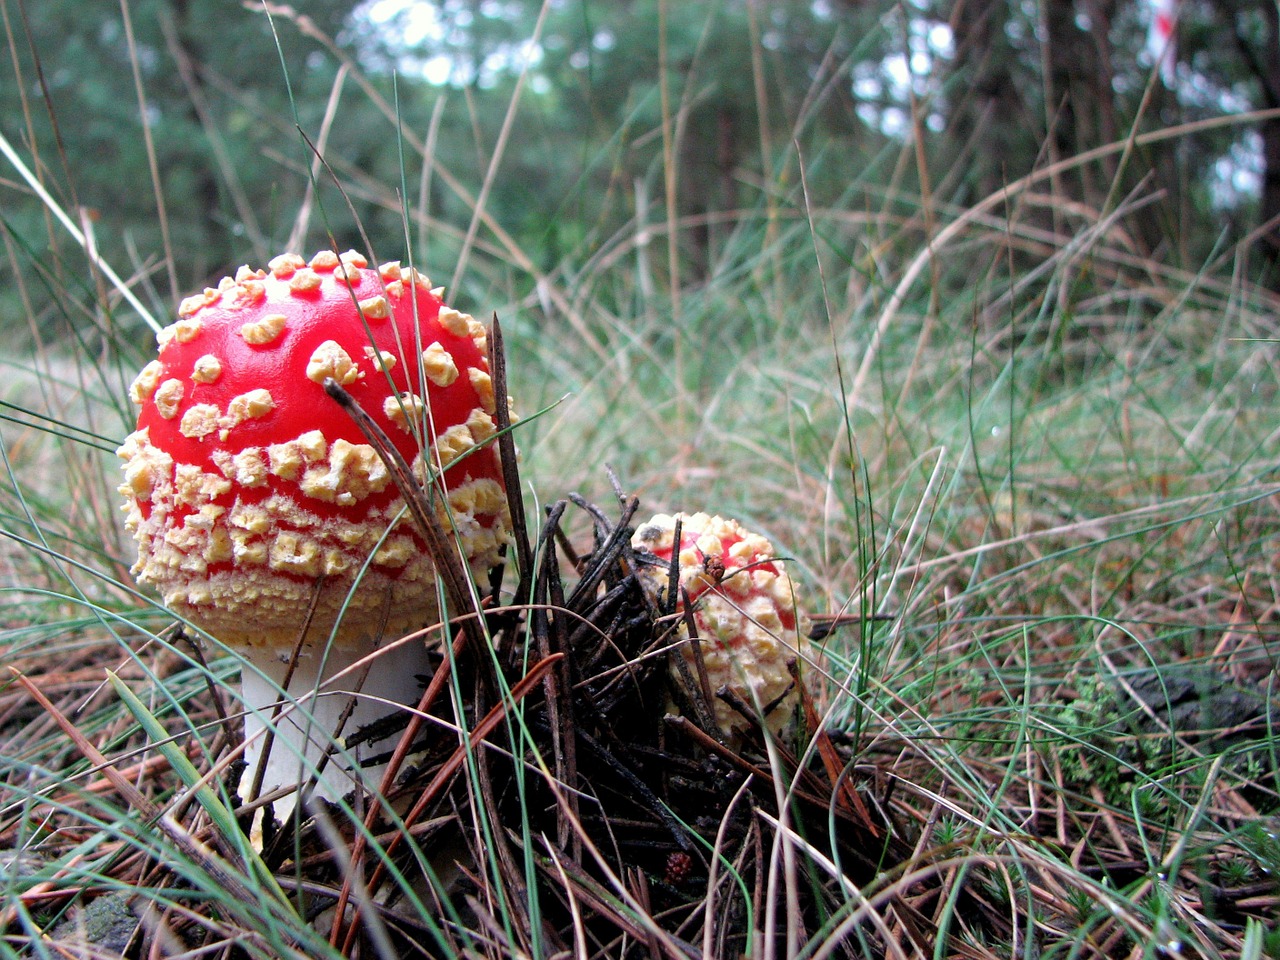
column 1269, row 209
column 1101, row 17
column 989, row 118
column 1069, row 72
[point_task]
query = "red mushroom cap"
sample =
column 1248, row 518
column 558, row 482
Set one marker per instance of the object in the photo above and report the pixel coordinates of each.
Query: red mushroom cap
column 245, row 482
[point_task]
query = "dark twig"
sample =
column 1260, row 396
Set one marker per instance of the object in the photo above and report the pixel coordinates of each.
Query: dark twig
column 657, row 807
column 606, row 556
column 508, row 458
column 449, row 567
column 672, row 594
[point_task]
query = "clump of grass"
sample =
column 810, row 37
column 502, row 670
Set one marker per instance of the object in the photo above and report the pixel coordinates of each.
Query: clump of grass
column 1026, row 473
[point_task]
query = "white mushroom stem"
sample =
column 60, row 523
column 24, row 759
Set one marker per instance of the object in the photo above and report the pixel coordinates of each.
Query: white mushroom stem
column 322, row 687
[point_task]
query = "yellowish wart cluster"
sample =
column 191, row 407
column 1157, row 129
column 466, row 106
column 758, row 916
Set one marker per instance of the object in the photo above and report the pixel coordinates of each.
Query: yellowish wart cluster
column 210, row 553
column 751, row 627
column 201, row 419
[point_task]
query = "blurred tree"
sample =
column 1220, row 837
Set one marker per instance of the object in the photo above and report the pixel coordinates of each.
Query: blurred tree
column 1079, row 81
column 621, row 95
column 1251, row 29
column 1034, row 83
column 988, row 116
column 217, row 114
column 621, row 104
column 1038, row 84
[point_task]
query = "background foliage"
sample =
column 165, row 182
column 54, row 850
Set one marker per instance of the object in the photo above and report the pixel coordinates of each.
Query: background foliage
column 983, row 93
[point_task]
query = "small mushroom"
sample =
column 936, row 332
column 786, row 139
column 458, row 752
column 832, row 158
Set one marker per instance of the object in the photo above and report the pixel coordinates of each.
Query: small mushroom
column 255, row 500
column 752, row 631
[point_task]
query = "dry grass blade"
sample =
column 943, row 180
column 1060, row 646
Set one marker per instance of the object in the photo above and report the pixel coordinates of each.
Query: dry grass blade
column 149, row 812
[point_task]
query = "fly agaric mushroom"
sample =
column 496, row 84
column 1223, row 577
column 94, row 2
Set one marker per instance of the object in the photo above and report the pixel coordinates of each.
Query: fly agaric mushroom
column 255, row 499
column 751, row 629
